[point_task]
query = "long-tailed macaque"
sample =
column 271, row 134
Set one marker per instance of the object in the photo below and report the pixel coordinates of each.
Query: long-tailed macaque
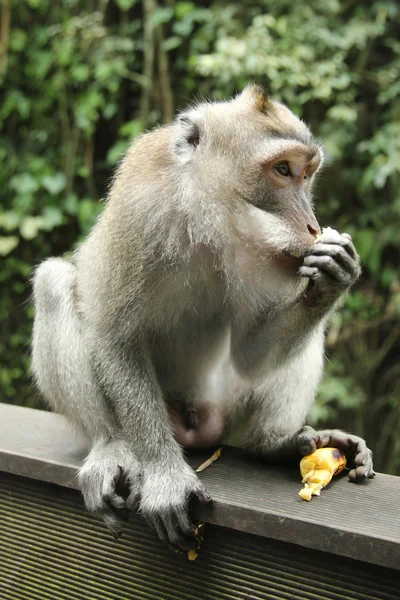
column 194, row 312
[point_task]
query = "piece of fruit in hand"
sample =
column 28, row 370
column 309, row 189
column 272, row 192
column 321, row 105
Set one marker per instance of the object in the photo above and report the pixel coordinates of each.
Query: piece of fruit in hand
column 318, row 468
column 325, row 232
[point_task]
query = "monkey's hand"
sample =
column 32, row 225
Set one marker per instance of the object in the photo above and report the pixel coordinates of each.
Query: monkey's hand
column 332, row 265
column 165, row 496
column 355, row 449
column 110, row 465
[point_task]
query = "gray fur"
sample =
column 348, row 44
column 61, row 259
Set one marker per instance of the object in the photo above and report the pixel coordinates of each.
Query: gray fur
column 180, row 291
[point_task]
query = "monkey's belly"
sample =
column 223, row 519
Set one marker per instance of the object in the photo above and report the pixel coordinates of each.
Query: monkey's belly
column 196, row 427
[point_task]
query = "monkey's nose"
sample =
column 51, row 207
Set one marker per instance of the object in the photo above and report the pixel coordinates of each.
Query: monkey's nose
column 313, row 230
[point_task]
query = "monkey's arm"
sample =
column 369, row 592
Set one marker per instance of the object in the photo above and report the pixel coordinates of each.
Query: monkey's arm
column 292, row 341
column 281, row 403
column 332, row 265
column 63, row 370
column 129, row 383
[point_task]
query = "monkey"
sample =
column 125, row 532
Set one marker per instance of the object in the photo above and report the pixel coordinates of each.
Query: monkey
column 193, row 314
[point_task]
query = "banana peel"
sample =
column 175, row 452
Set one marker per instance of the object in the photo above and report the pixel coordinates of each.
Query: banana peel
column 199, row 532
column 318, row 468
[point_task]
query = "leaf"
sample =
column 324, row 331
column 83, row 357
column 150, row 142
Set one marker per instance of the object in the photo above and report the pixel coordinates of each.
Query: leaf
column 132, row 128
column 8, row 244
column 18, row 39
column 161, row 15
column 24, row 183
column 80, row 72
column 125, row 5
column 51, row 218
column 183, row 9
column 9, row 220
column 54, row 183
column 30, row 226
column 172, row 43
column 209, row 461
column 71, row 204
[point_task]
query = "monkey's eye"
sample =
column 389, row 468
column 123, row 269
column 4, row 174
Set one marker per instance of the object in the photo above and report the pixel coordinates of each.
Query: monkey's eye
column 283, row 169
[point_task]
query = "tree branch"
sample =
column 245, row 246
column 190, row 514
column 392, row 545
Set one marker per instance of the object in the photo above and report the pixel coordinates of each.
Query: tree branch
column 4, row 36
column 148, row 69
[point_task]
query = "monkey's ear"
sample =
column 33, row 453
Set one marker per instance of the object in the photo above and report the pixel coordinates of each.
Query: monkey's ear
column 187, row 136
column 256, row 96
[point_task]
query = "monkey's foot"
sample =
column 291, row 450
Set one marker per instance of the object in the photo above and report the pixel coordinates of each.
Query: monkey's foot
column 110, row 467
column 355, row 449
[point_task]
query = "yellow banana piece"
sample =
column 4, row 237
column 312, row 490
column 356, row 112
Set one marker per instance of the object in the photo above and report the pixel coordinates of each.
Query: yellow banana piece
column 318, row 468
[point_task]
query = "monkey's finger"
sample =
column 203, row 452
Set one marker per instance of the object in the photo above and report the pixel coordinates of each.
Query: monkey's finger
column 362, row 458
column 180, row 531
column 338, row 253
column 109, row 497
column 133, row 500
column 168, row 530
column 112, row 511
column 344, row 241
column 345, row 441
column 201, row 493
column 112, row 524
column 356, row 450
column 330, row 267
column 185, row 525
column 310, row 272
column 115, row 501
column 307, row 439
column 156, row 523
column 109, row 482
column 360, row 474
column 323, row 439
column 347, row 243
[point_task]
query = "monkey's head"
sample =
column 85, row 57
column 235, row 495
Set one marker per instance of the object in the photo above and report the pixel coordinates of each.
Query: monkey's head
column 254, row 162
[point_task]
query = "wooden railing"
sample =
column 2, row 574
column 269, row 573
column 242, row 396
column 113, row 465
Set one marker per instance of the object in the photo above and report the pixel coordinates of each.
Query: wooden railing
column 261, row 539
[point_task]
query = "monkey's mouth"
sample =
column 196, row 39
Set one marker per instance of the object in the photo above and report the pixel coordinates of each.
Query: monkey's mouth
column 289, row 260
column 295, row 254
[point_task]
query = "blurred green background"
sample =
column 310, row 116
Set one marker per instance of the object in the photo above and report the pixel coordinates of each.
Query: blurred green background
column 79, row 79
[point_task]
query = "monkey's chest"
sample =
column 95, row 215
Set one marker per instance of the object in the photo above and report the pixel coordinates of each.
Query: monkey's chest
column 189, row 353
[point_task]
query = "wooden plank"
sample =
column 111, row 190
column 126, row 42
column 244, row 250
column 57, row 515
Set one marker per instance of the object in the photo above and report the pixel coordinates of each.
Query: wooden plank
column 51, row 549
column 358, row 521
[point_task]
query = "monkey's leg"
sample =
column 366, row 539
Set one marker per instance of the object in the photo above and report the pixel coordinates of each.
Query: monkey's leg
column 307, row 440
column 283, row 445
column 61, row 365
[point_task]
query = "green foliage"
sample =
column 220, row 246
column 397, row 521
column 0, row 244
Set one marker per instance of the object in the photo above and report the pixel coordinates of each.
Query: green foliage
column 79, row 80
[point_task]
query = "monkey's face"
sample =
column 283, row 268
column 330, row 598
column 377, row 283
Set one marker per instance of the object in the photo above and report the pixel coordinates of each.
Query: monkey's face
column 254, row 162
